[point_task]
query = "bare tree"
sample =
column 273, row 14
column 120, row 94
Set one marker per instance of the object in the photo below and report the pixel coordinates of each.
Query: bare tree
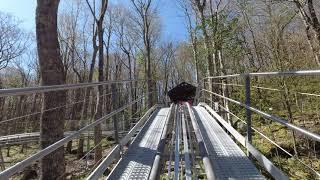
column 52, row 73
column 100, row 31
column 127, row 41
column 144, row 11
column 201, row 6
column 13, row 43
column 13, row 40
column 311, row 21
column 192, row 30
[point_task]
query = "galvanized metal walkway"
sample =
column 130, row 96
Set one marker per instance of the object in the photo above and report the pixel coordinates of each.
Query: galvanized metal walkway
column 137, row 162
column 228, row 160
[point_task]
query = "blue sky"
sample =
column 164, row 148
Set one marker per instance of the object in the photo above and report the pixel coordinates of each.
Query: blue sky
column 172, row 18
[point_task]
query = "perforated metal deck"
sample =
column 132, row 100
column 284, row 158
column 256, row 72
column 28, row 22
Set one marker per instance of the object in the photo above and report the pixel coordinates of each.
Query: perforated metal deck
column 228, row 160
column 137, row 162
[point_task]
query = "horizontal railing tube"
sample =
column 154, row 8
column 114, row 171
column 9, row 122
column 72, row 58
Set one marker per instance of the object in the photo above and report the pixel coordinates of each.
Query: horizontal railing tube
column 272, row 117
column 42, row 89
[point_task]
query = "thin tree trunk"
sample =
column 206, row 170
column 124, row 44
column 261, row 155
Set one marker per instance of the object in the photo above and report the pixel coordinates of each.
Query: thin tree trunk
column 2, row 166
column 308, row 33
column 85, row 106
column 289, row 111
column 98, row 113
column 208, row 46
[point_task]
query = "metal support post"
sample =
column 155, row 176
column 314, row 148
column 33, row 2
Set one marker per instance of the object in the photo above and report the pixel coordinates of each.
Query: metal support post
column 248, row 111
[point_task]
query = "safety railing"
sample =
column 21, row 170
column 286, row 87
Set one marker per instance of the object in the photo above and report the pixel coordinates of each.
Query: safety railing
column 81, row 99
column 215, row 87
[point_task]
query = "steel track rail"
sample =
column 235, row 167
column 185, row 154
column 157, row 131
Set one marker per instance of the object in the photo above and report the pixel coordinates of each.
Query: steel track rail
column 156, row 164
column 177, row 146
column 188, row 175
column 202, row 148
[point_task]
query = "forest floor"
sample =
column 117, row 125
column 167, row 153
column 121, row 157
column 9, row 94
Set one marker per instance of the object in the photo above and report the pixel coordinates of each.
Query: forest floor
column 76, row 168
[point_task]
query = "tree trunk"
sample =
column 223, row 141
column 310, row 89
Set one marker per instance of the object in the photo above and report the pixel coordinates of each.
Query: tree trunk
column 52, row 73
column 314, row 19
column 149, row 76
column 195, row 58
column 308, row 33
column 2, row 103
column 75, row 118
column 85, row 106
column 131, row 93
column 209, row 55
column 98, row 114
column 2, row 166
column 286, row 96
column 310, row 20
column 115, row 118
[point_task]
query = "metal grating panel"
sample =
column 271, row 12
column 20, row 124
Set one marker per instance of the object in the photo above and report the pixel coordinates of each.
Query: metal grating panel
column 228, row 160
column 137, row 162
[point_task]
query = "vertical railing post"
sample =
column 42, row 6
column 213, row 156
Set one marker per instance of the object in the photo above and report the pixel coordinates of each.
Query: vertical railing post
column 248, row 111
